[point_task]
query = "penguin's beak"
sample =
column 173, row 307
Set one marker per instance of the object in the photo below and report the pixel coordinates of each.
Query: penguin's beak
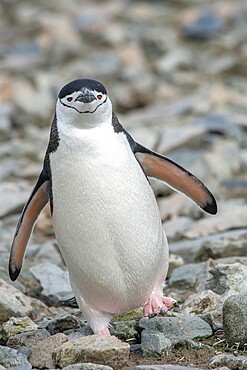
column 86, row 96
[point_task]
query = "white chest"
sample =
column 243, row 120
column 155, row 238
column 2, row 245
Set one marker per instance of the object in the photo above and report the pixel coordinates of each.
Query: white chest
column 105, row 215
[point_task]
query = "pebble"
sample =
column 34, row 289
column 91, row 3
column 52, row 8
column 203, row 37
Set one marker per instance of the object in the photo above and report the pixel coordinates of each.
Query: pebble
column 94, row 348
column 235, row 320
column 61, row 322
column 164, row 367
column 16, row 325
column 176, row 227
column 10, row 357
column 227, row 279
column 188, row 275
column 124, row 330
column 155, row 344
column 177, row 137
column 207, row 25
column 87, row 366
column 13, row 302
column 41, row 353
column 182, row 327
column 27, row 339
column 13, row 196
column 233, row 362
column 233, row 243
column 226, row 219
column 201, row 302
column 53, row 280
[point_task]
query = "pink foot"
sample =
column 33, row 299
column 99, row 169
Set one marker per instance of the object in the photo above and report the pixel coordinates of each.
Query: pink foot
column 157, row 303
column 104, row 331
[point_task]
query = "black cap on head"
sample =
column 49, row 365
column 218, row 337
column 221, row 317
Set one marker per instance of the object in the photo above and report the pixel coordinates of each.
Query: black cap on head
column 77, row 85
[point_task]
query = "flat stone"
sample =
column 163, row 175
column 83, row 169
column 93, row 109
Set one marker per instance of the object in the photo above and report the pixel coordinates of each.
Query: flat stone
column 227, row 279
column 175, row 261
column 188, row 275
column 87, row 366
column 227, row 245
column 10, row 357
column 53, row 280
column 214, row 318
column 28, row 339
column 124, row 330
column 180, row 326
column 164, row 367
column 207, row 25
column 177, row 137
column 201, row 302
column 176, row 227
column 233, row 362
column 155, row 344
column 13, row 196
column 235, row 320
column 13, row 302
column 61, row 322
column 94, row 348
column 230, row 217
column 41, row 355
column 16, row 325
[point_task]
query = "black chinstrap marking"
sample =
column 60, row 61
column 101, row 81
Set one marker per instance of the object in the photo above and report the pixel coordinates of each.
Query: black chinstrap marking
column 87, row 111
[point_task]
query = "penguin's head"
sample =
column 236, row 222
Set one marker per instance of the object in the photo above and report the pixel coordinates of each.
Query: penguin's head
column 84, row 103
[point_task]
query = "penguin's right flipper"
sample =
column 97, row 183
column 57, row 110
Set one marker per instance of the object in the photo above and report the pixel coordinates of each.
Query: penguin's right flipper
column 36, row 202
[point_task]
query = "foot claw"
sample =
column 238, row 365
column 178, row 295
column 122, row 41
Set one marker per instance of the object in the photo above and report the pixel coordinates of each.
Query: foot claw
column 162, row 311
column 158, row 304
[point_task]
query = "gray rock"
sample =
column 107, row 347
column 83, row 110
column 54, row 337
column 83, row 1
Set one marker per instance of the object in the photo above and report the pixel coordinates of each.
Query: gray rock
column 13, row 196
column 175, row 261
column 220, row 124
column 164, row 367
column 87, row 366
column 10, row 357
column 207, row 25
column 227, row 245
column 179, row 326
column 16, row 325
column 235, row 320
column 233, row 362
column 13, row 302
column 94, row 348
column 28, row 339
column 155, row 344
column 227, row 278
column 192, row 250
column 188, row 276
column 214, row 318
column 177, row 137
column 176, row 227
column 224, row 220
column 41, row 355
column 124, row 330
column 234, row 187
column 61, row 322
column 23, row 55
column 53, row 280
column 201, row 302
column 77, row 333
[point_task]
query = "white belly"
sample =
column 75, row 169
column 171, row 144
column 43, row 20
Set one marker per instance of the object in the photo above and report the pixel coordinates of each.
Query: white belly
column 106, row 221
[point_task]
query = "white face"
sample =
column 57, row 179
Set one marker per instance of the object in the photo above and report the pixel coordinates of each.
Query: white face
column 84, row 108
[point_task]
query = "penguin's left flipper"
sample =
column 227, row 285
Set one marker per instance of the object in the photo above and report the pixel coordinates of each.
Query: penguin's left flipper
column 159, row 167
column 36, row 202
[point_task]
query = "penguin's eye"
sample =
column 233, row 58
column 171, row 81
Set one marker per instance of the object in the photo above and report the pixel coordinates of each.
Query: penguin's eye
column 99, row 97
column 69, row 98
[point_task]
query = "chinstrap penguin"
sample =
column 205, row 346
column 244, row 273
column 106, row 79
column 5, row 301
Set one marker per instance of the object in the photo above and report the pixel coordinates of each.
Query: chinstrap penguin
column 105, row 216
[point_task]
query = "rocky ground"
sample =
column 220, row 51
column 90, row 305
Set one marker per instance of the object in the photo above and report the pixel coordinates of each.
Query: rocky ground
column 176, row 73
